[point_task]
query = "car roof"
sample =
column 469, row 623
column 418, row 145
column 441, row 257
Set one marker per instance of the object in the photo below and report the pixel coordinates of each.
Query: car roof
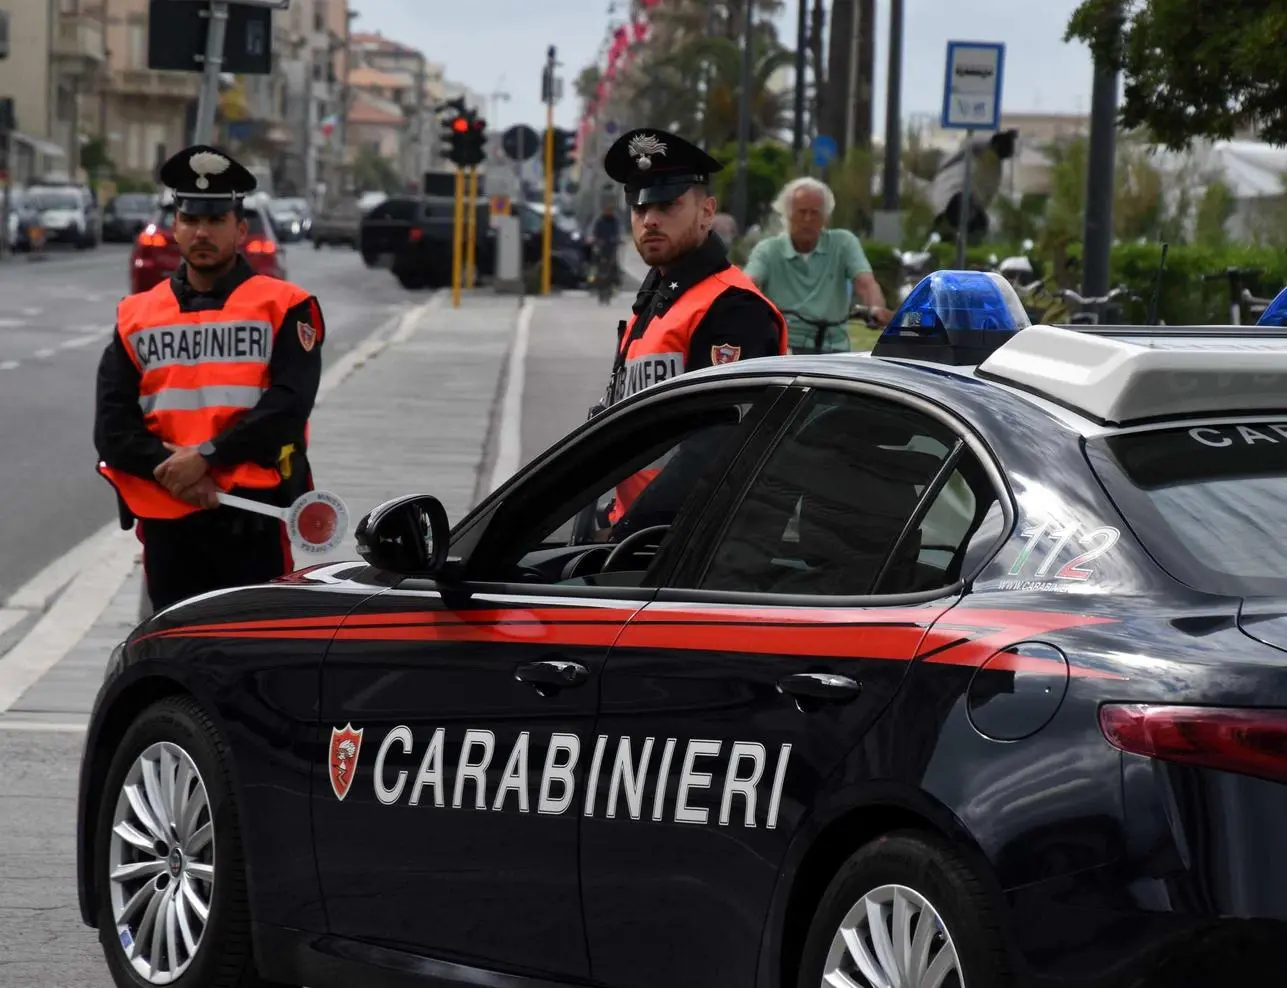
column 1094, row 381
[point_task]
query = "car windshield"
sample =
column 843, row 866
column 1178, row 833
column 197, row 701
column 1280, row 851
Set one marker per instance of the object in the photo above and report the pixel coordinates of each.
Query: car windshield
column 134, row 203
column 1209, row 503
column 53, row 200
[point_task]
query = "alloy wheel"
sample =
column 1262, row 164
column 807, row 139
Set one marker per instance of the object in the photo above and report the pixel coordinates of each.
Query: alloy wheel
column 161, row 863
column 892, row 938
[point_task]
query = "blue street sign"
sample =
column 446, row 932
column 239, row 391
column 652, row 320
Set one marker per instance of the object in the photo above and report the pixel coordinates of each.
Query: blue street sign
column 610, row 127
column 824, row 150
column 972, row 86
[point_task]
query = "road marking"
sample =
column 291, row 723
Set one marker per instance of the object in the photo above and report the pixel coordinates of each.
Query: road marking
column 408, row 322
column 32, row 312
column 10, row 616
column 509, row 445
column 35, row 594
column 44, row 353
column 44, row 726
column 80, row 341
column 62, row 627
column 8, row 364
column 12, row 323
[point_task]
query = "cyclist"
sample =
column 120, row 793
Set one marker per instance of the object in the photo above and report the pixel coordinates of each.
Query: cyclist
column 811, row 272
column 605, row 241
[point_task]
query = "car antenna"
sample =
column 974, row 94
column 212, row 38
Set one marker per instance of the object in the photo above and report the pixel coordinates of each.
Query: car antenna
column 1157, row 288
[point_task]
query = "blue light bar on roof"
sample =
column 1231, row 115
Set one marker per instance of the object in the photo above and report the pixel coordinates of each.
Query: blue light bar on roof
column 1275, row 313
column 954, row 317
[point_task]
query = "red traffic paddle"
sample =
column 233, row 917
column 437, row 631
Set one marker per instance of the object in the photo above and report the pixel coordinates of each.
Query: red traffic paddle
column 317, row 521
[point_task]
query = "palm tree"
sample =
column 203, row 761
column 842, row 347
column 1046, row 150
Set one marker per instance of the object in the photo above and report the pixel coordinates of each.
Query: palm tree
column 722, row 60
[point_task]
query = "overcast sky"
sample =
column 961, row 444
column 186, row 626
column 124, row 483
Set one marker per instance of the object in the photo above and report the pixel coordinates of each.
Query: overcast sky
column 499, row 45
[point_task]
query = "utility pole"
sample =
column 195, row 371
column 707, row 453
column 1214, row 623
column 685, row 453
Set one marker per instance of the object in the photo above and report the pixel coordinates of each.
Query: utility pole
column 744, row 116
column 893, row 109
column 547, row 94
column 342, row 125
column 211, row 63
column 1097, row 235
column 801, row 43
column 851, row 94
column 420, row 165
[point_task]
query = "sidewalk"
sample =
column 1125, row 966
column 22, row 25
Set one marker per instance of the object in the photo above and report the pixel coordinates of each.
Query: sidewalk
column 411, row 410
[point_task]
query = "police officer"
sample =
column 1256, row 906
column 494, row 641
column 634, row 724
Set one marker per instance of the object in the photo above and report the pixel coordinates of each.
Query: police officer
column 207, row 386
column 695, row 309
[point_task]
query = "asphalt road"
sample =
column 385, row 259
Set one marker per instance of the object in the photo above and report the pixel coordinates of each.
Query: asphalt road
column 56, row 315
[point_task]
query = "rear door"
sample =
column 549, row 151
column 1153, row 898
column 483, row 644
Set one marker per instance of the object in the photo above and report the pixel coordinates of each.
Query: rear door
column 729, row 700
column 386, row 229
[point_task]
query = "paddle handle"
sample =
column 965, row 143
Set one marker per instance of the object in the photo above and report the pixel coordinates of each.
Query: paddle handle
column 233, row 501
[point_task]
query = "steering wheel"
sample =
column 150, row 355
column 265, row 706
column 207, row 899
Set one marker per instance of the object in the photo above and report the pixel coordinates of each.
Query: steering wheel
column 629, row 545
column 576, row 565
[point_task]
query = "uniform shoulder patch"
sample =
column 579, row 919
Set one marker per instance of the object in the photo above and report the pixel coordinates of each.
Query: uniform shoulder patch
column 307, row 335
column 725, row 353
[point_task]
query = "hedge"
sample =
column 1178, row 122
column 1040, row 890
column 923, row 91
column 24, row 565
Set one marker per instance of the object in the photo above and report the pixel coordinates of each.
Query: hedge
column 1185, row 298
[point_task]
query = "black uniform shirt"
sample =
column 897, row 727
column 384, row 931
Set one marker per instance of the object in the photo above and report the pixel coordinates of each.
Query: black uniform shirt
column 738, row 318
column 258, row 435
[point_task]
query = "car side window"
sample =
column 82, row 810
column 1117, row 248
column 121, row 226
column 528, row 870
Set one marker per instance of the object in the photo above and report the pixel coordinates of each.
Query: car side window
column 603, row 517
column 833, row 510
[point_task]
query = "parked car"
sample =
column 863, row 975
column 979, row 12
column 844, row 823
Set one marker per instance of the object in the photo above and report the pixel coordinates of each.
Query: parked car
column 126, row 216
column 337, row 223
column 22, row 219
column 156, row 254
column 67, row 213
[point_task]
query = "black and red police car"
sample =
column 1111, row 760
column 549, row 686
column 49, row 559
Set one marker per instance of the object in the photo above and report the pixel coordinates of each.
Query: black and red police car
column 960, row 663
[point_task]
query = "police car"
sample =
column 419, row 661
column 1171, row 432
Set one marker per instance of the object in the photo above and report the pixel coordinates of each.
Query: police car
column 959, row 663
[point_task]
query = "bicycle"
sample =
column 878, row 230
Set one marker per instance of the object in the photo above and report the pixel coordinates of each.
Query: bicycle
column 864, row 312
column 1097, row 305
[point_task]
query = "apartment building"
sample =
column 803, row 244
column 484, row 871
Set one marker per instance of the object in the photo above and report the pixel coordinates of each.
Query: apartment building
column 56, row 62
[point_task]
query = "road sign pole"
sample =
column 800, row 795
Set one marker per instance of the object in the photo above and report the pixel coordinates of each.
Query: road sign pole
column 211, row 64
column 548, row 233
column 455, row 239
column 471, row 234
column 966, row 187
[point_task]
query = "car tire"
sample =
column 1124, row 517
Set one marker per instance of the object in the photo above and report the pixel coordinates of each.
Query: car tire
column 173, row 739
column 935, row 883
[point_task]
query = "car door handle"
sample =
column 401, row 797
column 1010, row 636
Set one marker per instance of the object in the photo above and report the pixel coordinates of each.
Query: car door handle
column 548, row 674
column 820, row 686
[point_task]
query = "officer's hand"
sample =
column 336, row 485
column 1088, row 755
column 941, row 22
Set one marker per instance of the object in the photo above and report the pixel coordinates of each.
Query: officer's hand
column 881, row 316
column 183, row 469
column 202, row 494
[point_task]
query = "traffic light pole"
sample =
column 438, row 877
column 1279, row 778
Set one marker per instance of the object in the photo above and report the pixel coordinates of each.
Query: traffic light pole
column 209, row 99
column 549, row 171
column 455, row 238
column 471, row 205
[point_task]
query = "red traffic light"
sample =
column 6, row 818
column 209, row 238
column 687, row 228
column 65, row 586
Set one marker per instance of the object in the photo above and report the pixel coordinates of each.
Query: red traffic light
column 460, row 125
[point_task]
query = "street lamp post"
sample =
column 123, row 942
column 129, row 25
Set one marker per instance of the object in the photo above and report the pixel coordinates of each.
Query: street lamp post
column 744, row 118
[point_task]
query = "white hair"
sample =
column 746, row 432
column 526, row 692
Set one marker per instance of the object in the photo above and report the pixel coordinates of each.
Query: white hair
column 782, row 204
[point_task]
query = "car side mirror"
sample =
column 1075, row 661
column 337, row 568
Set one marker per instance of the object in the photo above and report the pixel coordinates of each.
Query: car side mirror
column 408, row 535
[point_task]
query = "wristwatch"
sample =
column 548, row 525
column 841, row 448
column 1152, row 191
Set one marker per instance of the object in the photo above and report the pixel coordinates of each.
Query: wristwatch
column 207, row 451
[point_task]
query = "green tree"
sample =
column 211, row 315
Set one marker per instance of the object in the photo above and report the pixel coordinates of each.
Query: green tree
column 1215, row 209
column 1193, row 68
column 769, row 165
column 372, row 171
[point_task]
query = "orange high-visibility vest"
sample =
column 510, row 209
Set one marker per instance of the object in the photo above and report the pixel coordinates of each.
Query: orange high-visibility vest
column 199, row 372
column 662, row 353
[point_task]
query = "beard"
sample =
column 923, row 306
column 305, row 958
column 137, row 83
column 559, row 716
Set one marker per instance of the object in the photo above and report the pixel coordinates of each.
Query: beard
column 209, row 259
column 658, row 250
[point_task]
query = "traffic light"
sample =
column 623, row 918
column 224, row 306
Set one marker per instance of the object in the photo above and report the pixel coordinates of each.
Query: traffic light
column 476, row 141
column 564, row 149
column 455, row 134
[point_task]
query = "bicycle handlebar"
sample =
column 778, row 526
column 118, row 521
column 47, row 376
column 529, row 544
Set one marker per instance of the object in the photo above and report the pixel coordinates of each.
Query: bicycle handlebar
column 1099, row 300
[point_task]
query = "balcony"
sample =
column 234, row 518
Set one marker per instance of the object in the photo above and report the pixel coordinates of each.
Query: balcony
column 77, row 42
column 158, row 85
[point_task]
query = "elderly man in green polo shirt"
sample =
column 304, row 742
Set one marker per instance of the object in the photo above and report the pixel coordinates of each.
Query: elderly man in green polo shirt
column 810, row 270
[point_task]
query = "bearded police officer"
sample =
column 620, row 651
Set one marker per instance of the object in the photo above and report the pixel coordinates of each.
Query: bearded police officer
column 695, row 309
column 207, row 386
